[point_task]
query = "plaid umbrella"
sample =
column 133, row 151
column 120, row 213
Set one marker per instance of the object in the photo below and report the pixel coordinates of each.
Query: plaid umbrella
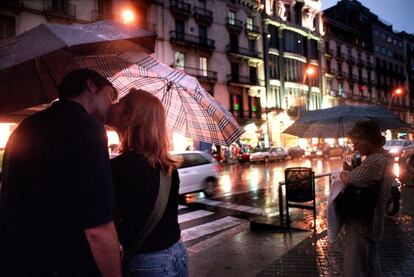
column 190, row 110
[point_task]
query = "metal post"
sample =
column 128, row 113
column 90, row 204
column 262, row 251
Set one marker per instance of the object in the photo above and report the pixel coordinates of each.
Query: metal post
column 267, row 73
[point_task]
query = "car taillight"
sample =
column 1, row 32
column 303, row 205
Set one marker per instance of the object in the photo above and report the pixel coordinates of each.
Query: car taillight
column 217, row 167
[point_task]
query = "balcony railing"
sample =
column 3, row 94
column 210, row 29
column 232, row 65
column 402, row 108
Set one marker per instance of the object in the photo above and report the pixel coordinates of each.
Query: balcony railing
column 234, row 24
column 340, row 74
column 244, row 52
column 201, row 74
column 180, row 7
column 360, row 62
column 340, row 56
column 190, row 40
column 246, row 80
column 252, row 30
column 370, row 65
column 203, row 15
column 12, row 3
column 328, row 53
column 350, row 59
column 61, row 8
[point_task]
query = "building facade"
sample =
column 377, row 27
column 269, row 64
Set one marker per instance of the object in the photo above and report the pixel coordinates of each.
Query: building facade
column 364, row 59
column 293, row 36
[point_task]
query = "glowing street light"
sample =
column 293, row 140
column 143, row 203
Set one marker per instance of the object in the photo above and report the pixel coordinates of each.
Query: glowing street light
column 309, row 71
column 397, row 91
column 127, row 16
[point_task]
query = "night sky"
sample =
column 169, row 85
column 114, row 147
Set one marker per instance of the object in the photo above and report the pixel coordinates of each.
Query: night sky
column 399, row 13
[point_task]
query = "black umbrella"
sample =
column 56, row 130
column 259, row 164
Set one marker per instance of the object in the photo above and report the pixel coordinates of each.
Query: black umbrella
column 34, row 62
column 336, row 122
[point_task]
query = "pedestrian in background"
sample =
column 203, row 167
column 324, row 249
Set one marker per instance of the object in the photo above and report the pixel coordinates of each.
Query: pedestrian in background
column 56, row 201
column 362, row 235
column 140, row 120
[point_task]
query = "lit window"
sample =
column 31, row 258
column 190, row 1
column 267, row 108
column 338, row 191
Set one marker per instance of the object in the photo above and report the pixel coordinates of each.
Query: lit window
column 232, row 18
column 203, row 66
column 249, row 24
column 179, row 60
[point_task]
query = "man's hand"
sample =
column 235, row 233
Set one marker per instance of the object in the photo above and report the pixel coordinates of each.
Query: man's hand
column 103, row 241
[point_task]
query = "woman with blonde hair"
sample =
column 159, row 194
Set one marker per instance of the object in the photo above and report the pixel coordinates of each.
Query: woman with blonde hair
column 139, row 118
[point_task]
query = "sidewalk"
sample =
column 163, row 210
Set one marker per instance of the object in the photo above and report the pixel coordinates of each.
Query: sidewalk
column 242, row 252
column 313, row 257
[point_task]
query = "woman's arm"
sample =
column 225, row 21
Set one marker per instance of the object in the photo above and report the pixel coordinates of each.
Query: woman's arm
column 371, row 169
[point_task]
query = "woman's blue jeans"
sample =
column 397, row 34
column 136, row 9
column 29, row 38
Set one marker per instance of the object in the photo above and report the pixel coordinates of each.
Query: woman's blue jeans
column 172, row 261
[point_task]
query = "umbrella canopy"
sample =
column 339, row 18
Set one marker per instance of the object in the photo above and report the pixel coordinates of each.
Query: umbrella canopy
column 336, row 122
column 34, row 62
column 190, row 110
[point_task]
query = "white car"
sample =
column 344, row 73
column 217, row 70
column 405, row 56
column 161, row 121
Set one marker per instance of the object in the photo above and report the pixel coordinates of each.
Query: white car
column 399, row 147
column 269, row 154
column 198, row 172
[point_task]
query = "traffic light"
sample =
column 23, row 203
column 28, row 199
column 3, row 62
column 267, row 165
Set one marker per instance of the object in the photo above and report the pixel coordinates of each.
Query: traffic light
column 362, row 88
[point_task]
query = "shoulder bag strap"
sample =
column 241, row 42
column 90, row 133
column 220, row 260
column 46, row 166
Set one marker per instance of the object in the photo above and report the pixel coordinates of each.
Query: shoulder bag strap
column 154, row 218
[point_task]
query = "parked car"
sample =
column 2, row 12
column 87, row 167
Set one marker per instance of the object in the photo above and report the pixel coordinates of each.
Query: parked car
column 400, row 147
column 198, row 172
column 269, row 154
column 243, row 157
column 334, row 151
column 296, row 152
column 313, row 153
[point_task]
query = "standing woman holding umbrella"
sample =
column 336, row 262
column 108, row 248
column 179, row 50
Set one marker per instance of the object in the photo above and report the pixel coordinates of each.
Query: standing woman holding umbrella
column 374, row 176
column 139, row 118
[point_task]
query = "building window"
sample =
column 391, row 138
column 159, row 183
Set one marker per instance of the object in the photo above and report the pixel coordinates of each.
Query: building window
column 274, row 66
column 294, row 42
column 294, row 70
column 253, row 75
column 202, row 35
column 254, row 107
column 234, row 72
column 249, row 23
column 313, row 49
column 179, row 60
column 202, row 65
column 274, row 98
column 179, row 29
column 341, row 91
column 232, row 18
column 274, row 36
column 234, row 42
column 236, row 103
column 7, row 27
column 252, row 47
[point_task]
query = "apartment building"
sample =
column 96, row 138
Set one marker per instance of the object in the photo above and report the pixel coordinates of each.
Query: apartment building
column 293, row 31
column 349, row 76
column 408, row 42
column 364, row 59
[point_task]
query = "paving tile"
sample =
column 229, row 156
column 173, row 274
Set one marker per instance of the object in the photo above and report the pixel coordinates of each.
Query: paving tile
column 314, row 256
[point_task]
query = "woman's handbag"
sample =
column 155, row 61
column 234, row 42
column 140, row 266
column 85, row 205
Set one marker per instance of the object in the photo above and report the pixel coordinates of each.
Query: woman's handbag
column 359, row 203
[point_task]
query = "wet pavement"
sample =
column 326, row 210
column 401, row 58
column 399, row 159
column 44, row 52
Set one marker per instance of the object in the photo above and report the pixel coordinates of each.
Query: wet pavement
column 239, row 251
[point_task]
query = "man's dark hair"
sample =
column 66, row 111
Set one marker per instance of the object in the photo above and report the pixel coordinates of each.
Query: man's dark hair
column 75, row 82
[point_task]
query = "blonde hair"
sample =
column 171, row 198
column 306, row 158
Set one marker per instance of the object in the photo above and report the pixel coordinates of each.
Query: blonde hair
column 146, row 130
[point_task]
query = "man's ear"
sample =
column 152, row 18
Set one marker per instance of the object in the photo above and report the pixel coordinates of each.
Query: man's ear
column 90, row 86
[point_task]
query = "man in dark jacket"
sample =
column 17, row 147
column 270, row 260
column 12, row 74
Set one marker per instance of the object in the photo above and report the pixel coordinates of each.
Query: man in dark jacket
column 56, row 199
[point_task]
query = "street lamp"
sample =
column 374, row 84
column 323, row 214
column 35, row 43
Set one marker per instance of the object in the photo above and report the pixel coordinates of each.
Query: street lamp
column 397, row 91
column 127, row 16
column 310, row 70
